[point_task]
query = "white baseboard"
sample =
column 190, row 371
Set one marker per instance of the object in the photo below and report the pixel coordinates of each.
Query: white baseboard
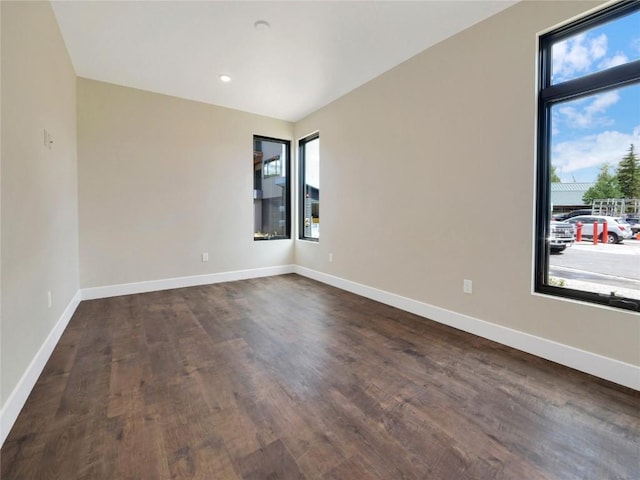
column 592, row 363
column 181, row 282
column 12, row 407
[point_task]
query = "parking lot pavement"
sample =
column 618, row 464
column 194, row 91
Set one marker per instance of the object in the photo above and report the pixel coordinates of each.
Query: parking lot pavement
column 601, row 268
column 627, row 247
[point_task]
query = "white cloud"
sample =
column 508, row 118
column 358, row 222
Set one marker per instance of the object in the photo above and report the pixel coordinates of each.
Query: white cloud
column 618, row 59
column 593, row 150
column 575, row 115
column 576, row 55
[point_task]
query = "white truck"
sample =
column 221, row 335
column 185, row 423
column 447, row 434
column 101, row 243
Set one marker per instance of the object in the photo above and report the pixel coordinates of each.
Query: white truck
column 561, row 236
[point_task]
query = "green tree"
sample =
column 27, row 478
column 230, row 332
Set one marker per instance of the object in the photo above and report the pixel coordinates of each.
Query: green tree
column 629, row 175
column 606, row 186
column 554, row 175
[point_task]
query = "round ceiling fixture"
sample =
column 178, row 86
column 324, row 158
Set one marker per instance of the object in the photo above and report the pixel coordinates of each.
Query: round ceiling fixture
column 261, row 25
column 225, row 78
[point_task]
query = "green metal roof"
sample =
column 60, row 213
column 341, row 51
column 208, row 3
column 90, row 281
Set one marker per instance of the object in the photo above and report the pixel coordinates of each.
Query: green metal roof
column 569, row 194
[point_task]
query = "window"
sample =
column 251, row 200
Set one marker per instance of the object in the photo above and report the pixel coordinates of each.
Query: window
column 272, row 167
column 309, row 157
column 271, row 204
column 588, row 136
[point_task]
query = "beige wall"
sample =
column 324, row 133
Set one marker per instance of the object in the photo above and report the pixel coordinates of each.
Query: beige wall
column 162, row 180
column 428, row 178
column 39, row 185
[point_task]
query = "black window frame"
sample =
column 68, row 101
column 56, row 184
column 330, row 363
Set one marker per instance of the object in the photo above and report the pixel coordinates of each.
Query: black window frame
column 287, row 168
column 301, row 185
column 550, row 94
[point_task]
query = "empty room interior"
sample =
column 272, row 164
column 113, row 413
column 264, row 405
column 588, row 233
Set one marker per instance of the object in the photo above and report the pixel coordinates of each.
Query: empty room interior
column 173, row 305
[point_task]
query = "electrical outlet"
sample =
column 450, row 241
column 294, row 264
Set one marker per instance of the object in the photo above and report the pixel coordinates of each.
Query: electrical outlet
column 49, row 299
column 467, row 286
column 331, row 258
column 205, row 257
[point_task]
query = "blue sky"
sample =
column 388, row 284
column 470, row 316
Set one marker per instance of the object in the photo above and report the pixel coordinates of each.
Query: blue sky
column 593, row 130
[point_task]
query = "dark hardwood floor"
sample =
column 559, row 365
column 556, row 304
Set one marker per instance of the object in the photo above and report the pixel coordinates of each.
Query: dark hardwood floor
column 286, row 378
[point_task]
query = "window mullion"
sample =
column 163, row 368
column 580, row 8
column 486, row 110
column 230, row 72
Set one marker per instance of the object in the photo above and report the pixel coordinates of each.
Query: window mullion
column 614, row 77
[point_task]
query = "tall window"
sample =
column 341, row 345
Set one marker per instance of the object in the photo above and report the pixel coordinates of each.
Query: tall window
column 309, row 205
column 271, row 204
column 589, row 142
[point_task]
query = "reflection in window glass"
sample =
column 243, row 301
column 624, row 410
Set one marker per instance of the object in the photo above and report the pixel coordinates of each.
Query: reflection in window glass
column 270, row 189
column 310, row 187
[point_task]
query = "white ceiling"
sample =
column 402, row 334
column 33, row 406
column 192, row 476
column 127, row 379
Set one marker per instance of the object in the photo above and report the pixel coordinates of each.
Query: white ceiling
column 313, row 53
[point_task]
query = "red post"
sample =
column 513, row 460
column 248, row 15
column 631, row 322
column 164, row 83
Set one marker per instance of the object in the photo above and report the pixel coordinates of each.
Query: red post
column 579, row 232
column 595, row 233
column 605, row 232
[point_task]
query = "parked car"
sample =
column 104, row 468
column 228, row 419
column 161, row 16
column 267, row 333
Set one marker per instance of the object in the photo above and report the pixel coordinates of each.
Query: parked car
column 566, row 216
column 635, row 224
column 617, row 229
column 561, row 236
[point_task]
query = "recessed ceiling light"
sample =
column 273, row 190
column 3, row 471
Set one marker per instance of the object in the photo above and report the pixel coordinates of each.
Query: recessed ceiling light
column 225, row 78
column 262, row 25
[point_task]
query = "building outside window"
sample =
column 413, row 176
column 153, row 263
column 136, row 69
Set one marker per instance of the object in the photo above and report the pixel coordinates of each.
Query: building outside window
column 271, row 189
column 309, row 205
column 589, row 134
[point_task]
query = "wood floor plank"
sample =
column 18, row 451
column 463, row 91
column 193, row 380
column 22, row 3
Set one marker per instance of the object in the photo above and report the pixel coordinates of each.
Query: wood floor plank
column 272, row 462
column 102, row 449
column 141, row 452
column 354, row 467
column 286, row 378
